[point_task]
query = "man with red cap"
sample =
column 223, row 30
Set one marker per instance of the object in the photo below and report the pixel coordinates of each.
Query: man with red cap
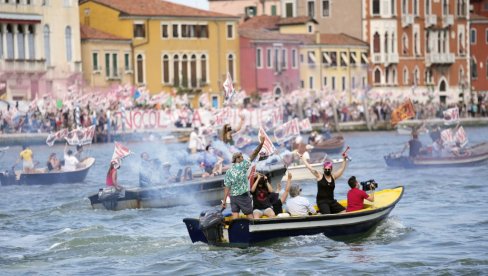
column 326, row 185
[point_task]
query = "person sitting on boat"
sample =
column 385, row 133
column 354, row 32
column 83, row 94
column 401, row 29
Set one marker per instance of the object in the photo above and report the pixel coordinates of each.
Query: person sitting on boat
column 356, row 196
column 79, row 152
column 437, row 148
column 326, row 185
column 146, row 170
column 70, row 161
column 210, row 162
column 298, row 205
column 261, row 190
column 53, row 163
column 414, row 146
column 26, row 156
column 167, row 175
column 111, row 180
column 277, row 199
column 237, row 185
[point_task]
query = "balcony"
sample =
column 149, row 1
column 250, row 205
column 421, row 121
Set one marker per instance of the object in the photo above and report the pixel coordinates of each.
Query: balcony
column 430, row 20
column 378, row 58
column 407, row 19
column 447, row 20
column 23, row 66
column 439, row 58
column 391, row 58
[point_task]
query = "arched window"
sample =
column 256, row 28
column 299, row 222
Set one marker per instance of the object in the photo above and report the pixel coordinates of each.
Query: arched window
column 405, row 44
column 184, row 71
column 193, row 71
column 386, row 42
column 230, row 66
column 67, row 35
column 387, row 76
column 20, row 41
column 47, row 45
column 405, row 76
column 404, row 7
column 166, row 69
column 176, row 71
column 394, row 76
column 376, row 43
column 461, row 43
column 377, row 76
column 140, row 69
column 393, row 49
column 32, row 48
column 203, row 66
column 427, row 42
column 415, row 44
column 427, row 7
column 416, row 76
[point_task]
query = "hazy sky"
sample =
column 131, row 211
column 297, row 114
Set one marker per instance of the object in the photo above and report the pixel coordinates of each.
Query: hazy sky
column 200, row 4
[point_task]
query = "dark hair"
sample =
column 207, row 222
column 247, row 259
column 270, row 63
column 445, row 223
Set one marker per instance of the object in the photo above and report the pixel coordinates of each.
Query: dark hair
column 69, row 152
column 352, row 181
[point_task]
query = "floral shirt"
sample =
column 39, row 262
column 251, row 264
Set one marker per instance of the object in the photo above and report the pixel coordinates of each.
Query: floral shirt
column 236, row 178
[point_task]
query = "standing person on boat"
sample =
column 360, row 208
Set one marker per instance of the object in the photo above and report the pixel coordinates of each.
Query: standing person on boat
column 70, row 161
column 79, row 152
column 326, row 185
column 145, row 171
column 227, row 131
column 111, row 180
column 26, row 156
column 414, row 145
column 298, row 205
column 356, row 196
column 193, row 142
column 237, row 185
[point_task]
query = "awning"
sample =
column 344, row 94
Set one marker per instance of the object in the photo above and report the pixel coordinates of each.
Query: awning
column 354, row 57
column 364, row 57
column 311, row 56
column 20, row 18
column 344, row 58
column 327, row 57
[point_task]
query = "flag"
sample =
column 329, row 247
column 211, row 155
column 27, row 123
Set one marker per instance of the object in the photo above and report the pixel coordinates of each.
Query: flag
column 53, row 137
column 451, row 116
column 268, row 147
column 403, row 112
column 447, row 137
column 461, row 137
column 120, row 152
column 305, row 125
column 228, row 87
column 203, row 100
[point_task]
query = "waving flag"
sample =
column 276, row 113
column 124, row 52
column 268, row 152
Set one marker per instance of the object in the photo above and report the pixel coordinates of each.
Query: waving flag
column 403, row 112
column 451, row 116
column 53, row 137
column 120, row 152
column 268, row 147
column 447, row 137
column 228, row 87
column 461, row 137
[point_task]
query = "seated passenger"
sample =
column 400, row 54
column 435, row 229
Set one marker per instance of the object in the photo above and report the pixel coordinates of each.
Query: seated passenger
column 298, row 205
column 211, row 163
column 70, row 161
column 261, row 190
column 53, row 163
column 437, row 148
column 356, row 197
column 278, row 200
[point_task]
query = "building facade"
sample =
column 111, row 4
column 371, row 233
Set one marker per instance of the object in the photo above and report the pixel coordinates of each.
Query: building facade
column 478, row 36
column 246, row 8
column 39, row 48
column 174, row 47
column 106, row 59
column 418, row 48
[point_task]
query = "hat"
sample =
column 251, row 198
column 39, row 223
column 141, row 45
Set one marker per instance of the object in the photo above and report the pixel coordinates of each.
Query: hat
column 295, row 190
column 308, row 147
column 328, row 164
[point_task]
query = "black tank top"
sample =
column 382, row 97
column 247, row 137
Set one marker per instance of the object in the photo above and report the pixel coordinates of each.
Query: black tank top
column 325, row 190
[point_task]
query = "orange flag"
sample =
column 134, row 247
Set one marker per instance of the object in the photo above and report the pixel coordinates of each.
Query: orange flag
column 403, row 112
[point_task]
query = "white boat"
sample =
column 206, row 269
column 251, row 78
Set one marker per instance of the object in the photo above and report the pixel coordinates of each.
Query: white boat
column 300, row 172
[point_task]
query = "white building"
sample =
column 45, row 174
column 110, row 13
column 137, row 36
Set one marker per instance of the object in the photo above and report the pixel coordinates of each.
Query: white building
column 39, row 48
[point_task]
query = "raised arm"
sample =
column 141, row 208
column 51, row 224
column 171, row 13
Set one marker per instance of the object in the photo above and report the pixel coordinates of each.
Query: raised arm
column 258, row 149
column 241, row 123
column 317, row 175
column 268, row 184
column 284, row 196
column 255, row 184
column 340, row 171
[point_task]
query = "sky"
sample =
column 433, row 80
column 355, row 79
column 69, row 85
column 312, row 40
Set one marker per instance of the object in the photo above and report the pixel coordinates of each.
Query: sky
column 200, row 4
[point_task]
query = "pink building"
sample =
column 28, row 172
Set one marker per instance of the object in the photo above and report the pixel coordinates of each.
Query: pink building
column 269, row 59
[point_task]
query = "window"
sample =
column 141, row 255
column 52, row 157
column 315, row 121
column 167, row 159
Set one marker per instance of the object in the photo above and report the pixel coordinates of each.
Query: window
column 333, row 59
column 69, row 49
column 310, row 28
column 416, row 43
column 268, row 58
column 284, row 58
column 175, row 31
column 230, row 31
column 31, row 39
column 115, row 67
column 273, row 10
column 416, row 7
column 294, row 58
column 326, row 8
column 193, row 71
column 376, row 43
column 164, row 31
column 107, row 65
column 405, row 76
column 486, row 36
column 140, row 69
column 277, row 59
column 472, row 36
column 404, row 7
column 405, row 44
column 139, row 30
column 127, row 66
column 445, row 7
column 311, row 8
column 376, row 7
column 20, row 41
column 311, row 58
column 184, row 71
column 165, row 69
column 333, row 83
column 230, row 66
column 259, row 58
column 343, row 83
column 47, row 44
column 428, row 7
column 289, row 9
column 474, row 68
column 95, row 66
column 461, row 8
column 392, row 7
column 353, row 83
column 310, row 82
column 176, row 71
column 111, row 66
column 203, row 61
column 325, row 81
column 377, row 76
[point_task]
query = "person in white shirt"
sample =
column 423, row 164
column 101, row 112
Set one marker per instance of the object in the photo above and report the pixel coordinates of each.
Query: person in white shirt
column 298, row 205
column 193, row 142
column 70, row 161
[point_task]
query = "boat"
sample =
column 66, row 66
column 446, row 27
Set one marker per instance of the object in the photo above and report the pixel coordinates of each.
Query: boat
column 43, row 177
column 300, row 172
column 470, row 156
column 208, row 190
column 330, row 146
column 215, row 229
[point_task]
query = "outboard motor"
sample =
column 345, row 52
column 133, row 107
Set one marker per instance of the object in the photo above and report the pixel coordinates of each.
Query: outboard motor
column 108, row 198
column 212, row 225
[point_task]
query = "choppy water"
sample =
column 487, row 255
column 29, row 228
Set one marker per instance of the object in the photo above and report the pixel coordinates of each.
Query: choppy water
column 440, row 226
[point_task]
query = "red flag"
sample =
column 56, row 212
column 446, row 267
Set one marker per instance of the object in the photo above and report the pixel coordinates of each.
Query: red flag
column 403, row 112
column 120, row 151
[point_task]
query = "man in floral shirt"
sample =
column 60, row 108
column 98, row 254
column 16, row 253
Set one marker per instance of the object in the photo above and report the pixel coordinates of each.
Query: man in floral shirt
column 236, row 183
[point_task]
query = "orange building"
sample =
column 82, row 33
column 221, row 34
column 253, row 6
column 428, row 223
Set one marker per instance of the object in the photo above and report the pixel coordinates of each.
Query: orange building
column 418, row 49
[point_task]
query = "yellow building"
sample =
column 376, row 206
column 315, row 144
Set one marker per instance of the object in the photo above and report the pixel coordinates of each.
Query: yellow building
column 173, row 46
column 334, row 62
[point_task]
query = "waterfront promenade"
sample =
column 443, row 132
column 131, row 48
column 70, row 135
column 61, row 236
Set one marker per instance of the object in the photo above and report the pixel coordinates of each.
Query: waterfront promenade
column 171, row 135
